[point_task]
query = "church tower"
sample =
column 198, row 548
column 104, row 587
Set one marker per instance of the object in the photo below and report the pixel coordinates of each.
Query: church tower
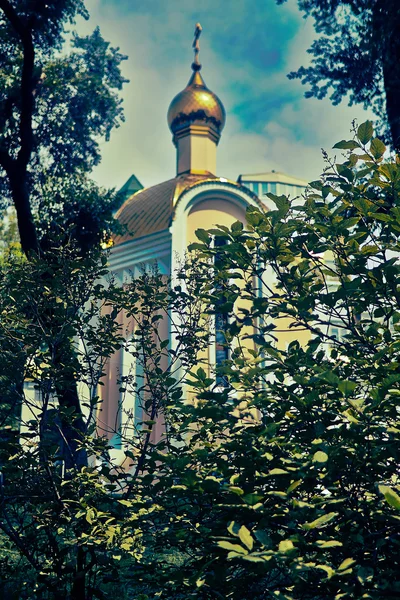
column 196, row 118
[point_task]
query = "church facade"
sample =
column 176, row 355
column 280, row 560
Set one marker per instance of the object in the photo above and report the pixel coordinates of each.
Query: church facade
column 159, row 222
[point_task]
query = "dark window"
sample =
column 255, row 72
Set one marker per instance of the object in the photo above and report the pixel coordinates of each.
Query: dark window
column 221, row 324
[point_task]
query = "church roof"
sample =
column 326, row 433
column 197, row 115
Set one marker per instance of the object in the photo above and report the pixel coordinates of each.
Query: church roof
column 150, row 210
column 272, row 177
column 130, row 187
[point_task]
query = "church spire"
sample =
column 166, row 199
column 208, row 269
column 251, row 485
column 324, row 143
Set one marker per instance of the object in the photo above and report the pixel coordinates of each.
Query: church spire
column 196, row 117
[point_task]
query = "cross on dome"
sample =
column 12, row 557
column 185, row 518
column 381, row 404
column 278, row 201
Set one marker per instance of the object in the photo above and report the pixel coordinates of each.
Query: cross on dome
column 196, row 66
column 196, row 103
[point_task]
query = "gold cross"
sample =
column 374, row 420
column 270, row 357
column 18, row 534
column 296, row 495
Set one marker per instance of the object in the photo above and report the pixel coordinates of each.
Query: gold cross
column 196, row 43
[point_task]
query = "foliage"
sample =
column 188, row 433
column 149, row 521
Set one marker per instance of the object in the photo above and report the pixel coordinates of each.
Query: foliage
column 71, row 526
column 277, row 473
column 356, row 55
column 8, row 231
column 55, row 108
column 285, row 483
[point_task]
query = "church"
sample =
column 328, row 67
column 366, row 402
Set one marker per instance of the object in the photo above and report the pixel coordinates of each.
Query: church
column 159, row 222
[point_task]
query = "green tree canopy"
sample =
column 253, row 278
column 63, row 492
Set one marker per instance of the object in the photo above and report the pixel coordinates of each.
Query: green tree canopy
column 55, row 107
column 277, row 476
column 356, row 56
column 285, row 482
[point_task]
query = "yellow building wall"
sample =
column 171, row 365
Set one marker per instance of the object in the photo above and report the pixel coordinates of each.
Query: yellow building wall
column 209, row 213
column 206, row 215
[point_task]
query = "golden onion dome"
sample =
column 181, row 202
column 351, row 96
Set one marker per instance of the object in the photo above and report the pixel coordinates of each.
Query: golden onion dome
column 196, row 103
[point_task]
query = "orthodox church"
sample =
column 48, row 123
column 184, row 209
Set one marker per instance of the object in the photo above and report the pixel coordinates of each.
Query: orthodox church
column 159, row 222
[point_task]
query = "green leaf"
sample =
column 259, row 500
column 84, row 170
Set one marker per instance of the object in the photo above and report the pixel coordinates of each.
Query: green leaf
column 330, row 377
column 262, row 537
column 294, row 485
column 245, row 537
column 203, row 236
column 320, row 457
column 285, row 546
column 236, row 490
column 345, row 172
column 237, row 227
column 254, row 217
column 233, row 528
column 365, row 132
column 232, row 547
column 252, row 499
column 201, row 374
column 281, row 203
column 253, row 558
column 277, row 472
column 377, row 148
column 348, row 562
column 195, row 246
column 382, row 217
column 346, row 145
column 328, row 570
column 347, row 387
column 328, row 543
column 90, row 514
column 320, row 521
column 316, row 185
column 390, row 496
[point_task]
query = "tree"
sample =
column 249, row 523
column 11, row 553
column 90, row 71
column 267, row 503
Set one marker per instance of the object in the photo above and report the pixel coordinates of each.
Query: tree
column 70, row 530
column 356, row 55
column 285, row 484
column 54, row 106
column 280, row 482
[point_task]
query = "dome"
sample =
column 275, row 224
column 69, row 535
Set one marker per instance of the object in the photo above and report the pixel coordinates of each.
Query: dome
column 196, row 103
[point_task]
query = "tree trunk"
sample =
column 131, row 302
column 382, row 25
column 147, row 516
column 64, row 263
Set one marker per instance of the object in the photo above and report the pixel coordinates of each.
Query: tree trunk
column 72, row 426
column 392, row 92
column 26, row 225
column 78, row 591
column 387, row 29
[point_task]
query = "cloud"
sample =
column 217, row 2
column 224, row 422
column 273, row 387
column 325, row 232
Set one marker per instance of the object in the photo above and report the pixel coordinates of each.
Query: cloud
column 246, row 53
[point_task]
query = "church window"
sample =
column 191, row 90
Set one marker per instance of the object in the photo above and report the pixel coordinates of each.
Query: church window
column 221, row 324
column 336, row 331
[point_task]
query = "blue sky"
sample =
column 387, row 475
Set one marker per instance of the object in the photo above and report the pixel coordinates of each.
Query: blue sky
column 247, row 49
